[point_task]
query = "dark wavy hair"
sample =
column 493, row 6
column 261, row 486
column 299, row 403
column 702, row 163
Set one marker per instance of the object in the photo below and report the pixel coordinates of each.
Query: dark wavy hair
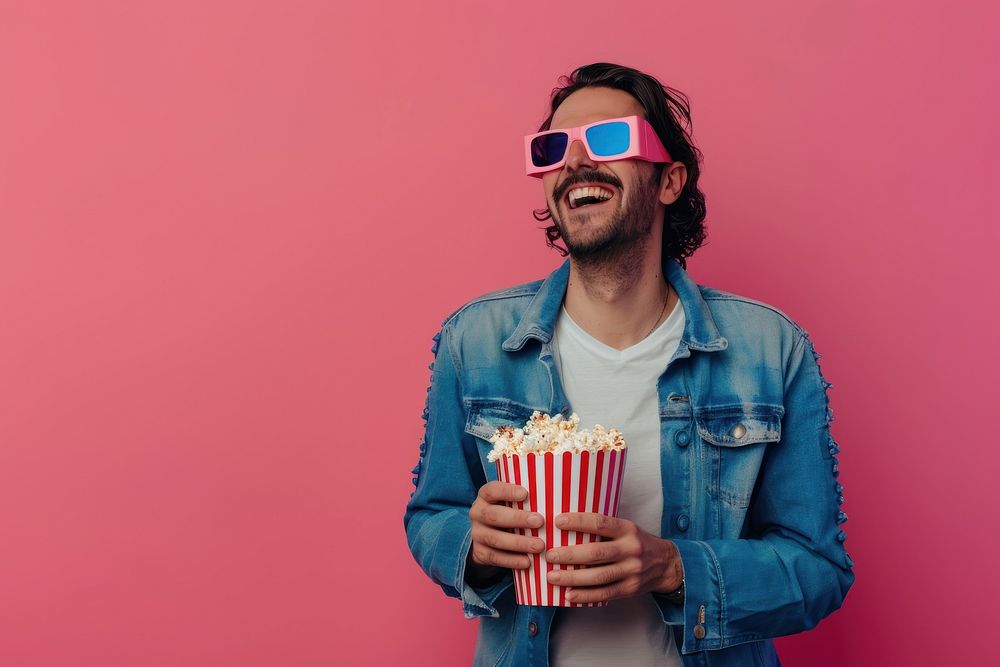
column 683, row 219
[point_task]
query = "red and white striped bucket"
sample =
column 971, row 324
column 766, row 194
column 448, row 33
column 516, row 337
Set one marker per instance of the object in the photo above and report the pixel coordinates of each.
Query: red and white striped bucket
column 557, row 483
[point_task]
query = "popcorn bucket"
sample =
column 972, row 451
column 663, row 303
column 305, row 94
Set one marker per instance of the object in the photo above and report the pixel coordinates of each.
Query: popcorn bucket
column 557, row 483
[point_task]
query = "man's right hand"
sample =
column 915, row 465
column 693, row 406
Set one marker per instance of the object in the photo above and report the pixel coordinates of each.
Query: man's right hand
column 493, row 546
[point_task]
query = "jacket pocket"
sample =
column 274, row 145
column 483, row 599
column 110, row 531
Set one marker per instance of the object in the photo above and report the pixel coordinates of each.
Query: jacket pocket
column 734, row 438
column 485, row 415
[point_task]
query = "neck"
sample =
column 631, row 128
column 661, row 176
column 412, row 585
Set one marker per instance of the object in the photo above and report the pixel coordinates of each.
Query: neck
column 619, row 300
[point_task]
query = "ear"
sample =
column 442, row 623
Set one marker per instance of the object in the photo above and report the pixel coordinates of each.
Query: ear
column 672, row 181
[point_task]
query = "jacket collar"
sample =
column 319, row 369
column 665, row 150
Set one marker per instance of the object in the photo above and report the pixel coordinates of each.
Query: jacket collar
column 539, row 318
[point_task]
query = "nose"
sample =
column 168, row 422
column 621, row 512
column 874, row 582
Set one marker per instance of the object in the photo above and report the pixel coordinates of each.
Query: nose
column 577, row 156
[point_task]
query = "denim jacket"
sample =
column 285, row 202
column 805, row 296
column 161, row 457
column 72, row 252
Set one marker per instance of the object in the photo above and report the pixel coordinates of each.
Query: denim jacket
column 748, row 464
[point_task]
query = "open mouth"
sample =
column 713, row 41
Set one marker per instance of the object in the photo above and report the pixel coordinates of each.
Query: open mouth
column 589, row 196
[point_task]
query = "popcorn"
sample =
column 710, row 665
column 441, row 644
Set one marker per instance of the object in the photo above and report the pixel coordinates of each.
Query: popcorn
column 543, row 433
column 572, row 470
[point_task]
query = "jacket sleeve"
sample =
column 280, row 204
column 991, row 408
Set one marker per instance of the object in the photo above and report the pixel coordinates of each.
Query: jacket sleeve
column 793, row 570
column 448, row 477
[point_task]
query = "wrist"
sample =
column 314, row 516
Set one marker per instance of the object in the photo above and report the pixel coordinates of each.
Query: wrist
column 479, row 575
column 672, row 583
column 676, row 595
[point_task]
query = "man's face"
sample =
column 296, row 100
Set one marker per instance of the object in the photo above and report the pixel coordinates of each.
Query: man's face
column 600, row 230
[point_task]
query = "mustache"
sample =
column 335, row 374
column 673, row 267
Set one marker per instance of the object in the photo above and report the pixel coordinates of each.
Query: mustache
column 594, row 178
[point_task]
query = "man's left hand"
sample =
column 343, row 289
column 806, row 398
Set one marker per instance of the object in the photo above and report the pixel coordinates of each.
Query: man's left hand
column 630, row 562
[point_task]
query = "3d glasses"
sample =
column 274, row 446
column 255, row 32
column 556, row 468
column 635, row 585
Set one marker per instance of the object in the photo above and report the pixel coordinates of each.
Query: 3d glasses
column 605, row 140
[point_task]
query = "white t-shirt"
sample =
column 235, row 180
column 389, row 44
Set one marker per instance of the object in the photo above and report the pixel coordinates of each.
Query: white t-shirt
column 617, row 388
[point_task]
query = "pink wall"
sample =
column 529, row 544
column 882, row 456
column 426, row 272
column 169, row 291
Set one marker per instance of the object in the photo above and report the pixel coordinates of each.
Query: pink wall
column 228, row 231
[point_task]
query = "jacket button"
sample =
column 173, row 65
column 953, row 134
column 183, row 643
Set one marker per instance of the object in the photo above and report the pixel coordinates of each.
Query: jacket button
column 682, row 522
column 682, row 438
column 739, row 431
column 699, row 632
column 532, row 628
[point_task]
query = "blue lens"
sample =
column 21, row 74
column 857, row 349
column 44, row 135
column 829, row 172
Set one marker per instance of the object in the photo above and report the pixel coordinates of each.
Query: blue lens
column 608, row 138
column 548, row 149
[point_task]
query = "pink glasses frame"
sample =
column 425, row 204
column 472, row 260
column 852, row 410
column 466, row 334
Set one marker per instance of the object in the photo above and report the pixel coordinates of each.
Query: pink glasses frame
column 644, row 144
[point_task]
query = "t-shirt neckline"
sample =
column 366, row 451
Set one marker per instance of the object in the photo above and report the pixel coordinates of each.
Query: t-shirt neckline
column 657, row 337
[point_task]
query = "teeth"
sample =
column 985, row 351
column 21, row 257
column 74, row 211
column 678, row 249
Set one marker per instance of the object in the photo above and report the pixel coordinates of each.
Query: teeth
column 598, row 193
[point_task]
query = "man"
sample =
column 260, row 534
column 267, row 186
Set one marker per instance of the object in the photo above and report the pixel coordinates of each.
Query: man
column 728, row 531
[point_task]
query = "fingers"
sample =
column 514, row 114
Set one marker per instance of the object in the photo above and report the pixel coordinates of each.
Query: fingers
column 591, row 522
column 503, row 549
column 493, row 543
column 488, row 508
column 597, row 584
column 586, row 554
column 500, row 516
column 485, row 556
column 496, row 547
column 498, row 492
column 504, row 541
column 622, row 589
column 600, row 575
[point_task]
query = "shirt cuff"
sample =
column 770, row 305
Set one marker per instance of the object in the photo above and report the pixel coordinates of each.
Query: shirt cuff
column 701, row 612
column 478, row 601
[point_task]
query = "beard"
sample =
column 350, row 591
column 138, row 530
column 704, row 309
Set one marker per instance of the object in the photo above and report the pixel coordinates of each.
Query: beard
column 618, row 242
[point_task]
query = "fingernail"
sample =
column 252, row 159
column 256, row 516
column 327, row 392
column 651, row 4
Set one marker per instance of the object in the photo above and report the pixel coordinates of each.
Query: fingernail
column 570, row 595
column 535, row 520
column 561, row 520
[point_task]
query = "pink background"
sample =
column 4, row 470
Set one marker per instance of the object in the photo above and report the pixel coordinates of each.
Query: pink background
column 229, row 230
